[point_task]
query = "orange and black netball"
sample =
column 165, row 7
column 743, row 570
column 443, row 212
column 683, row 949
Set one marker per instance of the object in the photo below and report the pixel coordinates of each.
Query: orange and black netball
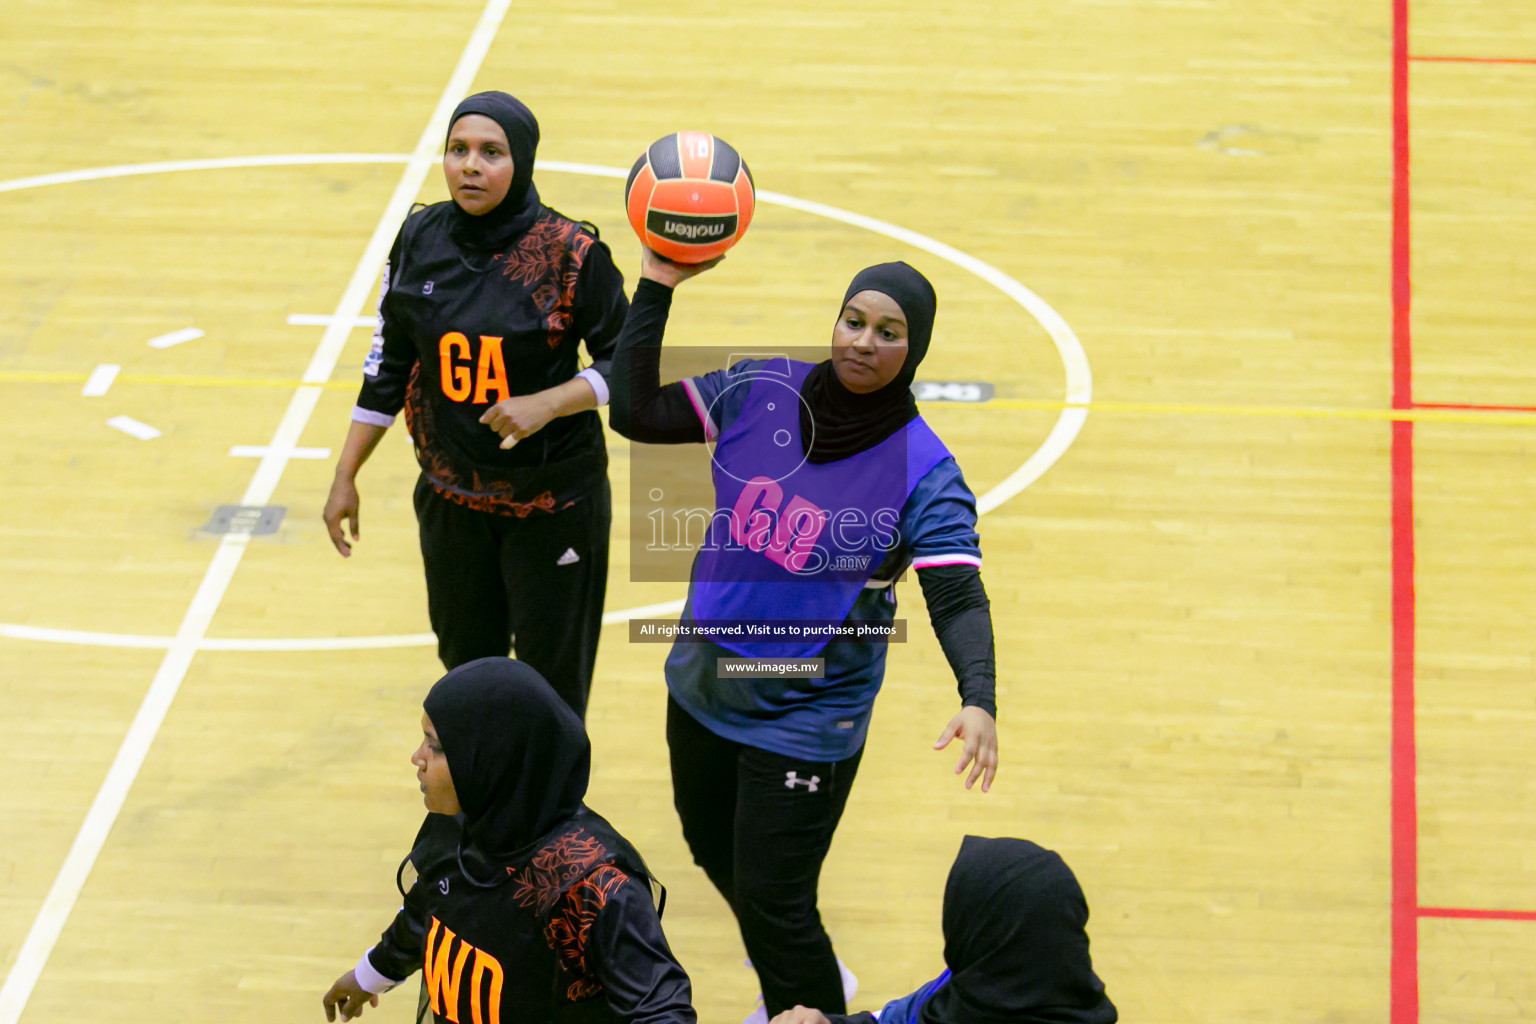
column 690, row 196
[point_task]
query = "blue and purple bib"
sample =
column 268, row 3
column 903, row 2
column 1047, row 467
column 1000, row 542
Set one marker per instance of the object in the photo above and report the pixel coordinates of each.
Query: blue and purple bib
column 794, row 540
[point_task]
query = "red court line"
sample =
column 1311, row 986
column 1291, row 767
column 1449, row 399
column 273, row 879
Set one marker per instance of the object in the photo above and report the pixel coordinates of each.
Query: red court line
column 1476, row 60
column 1474, row 408
column 1478, row 915
column 1405, row 825
column 1405, row 851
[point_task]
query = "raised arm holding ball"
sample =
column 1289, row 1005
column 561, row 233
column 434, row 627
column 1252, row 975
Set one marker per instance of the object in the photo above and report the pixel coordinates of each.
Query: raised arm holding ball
column 762, row 767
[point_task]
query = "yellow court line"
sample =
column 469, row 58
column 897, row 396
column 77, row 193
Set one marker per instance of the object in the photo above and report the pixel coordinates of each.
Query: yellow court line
column 1274, row 411
column 233, row 382
column 1494, row 417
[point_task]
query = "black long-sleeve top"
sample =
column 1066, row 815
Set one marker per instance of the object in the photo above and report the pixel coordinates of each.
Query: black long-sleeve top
column 459, row 332
column 642, row 409
column 571, row 935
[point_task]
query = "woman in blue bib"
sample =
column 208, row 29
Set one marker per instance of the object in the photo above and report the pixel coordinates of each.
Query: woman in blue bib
column 827, row 486
column 1015, row 947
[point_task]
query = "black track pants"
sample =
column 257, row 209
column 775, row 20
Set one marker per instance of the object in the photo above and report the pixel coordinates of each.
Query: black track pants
column 760, row 825
column 497, row 583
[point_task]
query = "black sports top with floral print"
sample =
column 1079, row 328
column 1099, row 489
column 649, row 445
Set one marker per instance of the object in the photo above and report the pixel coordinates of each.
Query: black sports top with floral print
column 459, row 332
column 569, row 935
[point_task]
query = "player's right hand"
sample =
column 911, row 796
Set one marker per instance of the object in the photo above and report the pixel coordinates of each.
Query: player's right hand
column 801, row 1015
column 664, row 271
column 341, row 504
column 348, row 997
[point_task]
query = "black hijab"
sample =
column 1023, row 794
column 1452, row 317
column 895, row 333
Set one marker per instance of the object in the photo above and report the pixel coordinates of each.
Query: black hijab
column 495, row 230
column 1015, row 941
column 836, row 423
column 518, row 755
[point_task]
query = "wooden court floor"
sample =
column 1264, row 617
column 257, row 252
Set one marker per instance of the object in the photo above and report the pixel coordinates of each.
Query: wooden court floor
column 1267, row 671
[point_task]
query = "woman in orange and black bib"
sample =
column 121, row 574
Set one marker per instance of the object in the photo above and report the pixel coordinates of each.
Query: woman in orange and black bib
column 526, row 904
column 484, row 301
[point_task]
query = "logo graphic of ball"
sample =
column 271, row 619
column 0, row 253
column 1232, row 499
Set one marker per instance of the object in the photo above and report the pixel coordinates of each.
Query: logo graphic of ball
column 690, row 197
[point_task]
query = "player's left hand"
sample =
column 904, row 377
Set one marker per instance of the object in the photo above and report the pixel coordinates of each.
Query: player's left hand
column 801, row 1015
column 518, row 417
column 978, row 731
column 348, row 997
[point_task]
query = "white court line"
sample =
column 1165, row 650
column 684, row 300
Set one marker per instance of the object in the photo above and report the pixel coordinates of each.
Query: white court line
column 261, row 451
column 60, row 901
column 175, row 338
column 212, row 164
column 593, row 170
column 100, row 380
column 325, row 320
column 85, row 639
column 133, row 428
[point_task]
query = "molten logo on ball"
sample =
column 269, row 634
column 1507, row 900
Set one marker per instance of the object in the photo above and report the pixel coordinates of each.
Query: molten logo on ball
column 690, row 197
column 690, row 229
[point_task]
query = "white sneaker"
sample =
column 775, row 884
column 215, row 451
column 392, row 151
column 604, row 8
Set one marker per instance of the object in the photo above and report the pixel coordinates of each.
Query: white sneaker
column 850, row 989
column 850, row 983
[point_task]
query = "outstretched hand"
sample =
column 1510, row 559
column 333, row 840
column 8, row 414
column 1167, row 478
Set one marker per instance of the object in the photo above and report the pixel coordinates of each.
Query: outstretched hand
column 663, row 271
column 978, row 732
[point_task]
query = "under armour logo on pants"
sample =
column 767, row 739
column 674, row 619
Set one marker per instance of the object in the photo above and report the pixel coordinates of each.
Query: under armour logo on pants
column 791, row 780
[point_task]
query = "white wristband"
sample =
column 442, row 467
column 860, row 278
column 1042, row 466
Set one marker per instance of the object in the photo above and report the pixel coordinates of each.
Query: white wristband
column 373, row 419
column 599, row 386
column 370, row 980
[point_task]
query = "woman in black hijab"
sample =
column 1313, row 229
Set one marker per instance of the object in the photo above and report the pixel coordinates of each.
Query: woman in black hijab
column 483, row 304
column 836, row 422
column 526, row 905
column 1015, row 947
column 828, row 485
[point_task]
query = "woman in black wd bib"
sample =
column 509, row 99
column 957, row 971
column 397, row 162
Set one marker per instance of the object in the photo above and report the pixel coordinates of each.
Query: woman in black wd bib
column 483, row 303
column 527, row 906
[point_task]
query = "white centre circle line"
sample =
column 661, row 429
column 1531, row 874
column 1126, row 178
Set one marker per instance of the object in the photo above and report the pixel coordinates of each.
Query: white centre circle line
column 1074, row 361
